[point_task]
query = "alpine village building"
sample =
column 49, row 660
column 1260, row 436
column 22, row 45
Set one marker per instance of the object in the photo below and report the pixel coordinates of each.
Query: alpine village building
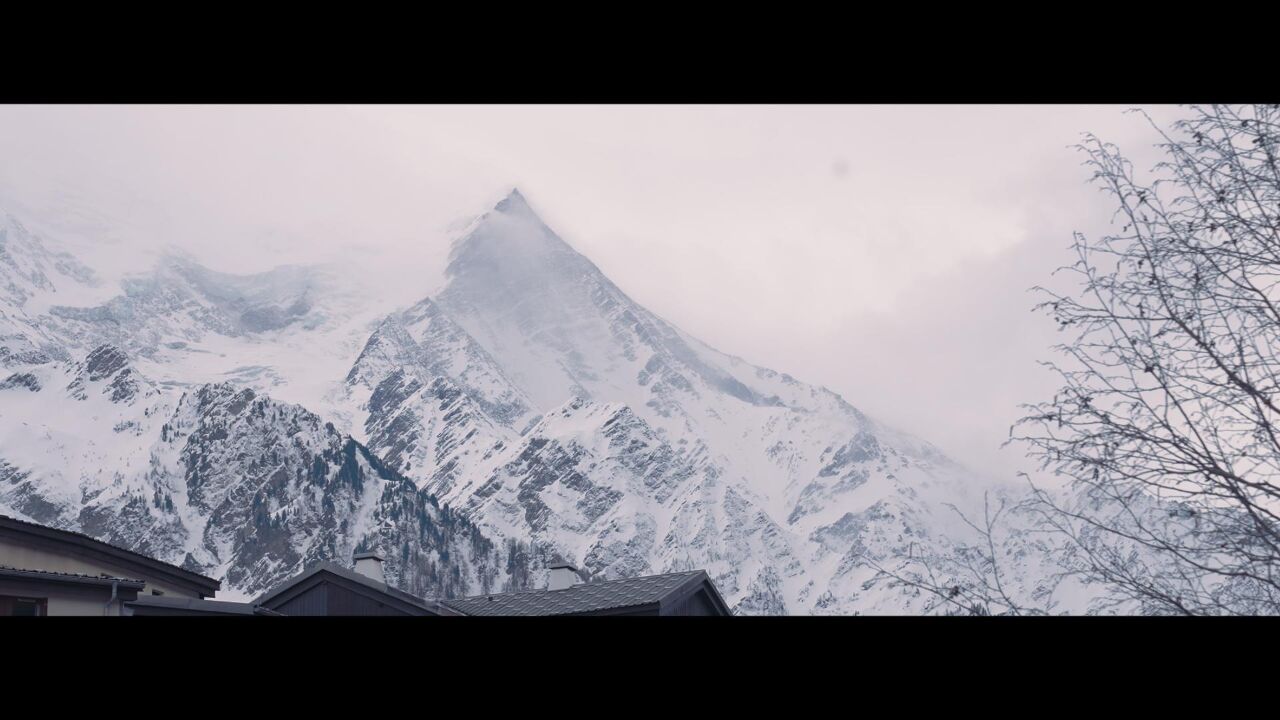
column 46, row 571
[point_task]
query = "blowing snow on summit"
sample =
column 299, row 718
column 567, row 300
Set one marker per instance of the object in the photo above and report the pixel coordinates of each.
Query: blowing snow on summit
column 350, row 356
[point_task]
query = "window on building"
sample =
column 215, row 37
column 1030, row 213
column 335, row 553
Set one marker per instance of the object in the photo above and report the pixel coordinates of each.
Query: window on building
column 20, row 606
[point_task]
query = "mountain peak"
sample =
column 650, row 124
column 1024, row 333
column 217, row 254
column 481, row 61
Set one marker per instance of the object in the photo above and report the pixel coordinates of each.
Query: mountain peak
column 511, row 242
column 513, row 203
column 105, row 360
column 109, row 365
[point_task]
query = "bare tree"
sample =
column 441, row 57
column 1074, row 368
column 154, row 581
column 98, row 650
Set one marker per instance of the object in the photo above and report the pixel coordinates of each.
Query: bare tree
column 1166, row 416
column 968, row 578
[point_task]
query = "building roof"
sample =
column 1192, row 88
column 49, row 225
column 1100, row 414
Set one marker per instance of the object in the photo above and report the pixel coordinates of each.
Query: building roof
column 64, row 577
column 593, row 597
column 192, row 606
column 353, row 580
column 100, row 550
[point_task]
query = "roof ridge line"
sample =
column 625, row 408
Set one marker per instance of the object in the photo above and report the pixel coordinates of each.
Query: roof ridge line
column 579, row 585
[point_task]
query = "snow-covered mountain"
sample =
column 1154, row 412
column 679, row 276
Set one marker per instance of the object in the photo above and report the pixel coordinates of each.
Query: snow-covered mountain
column 249, row 424
column 30, row 275
column 548, row 406
column 224, row 481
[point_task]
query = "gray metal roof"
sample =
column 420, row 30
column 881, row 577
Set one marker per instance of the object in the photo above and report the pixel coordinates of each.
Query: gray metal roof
column 133, row 561
column 201, row 607
column 581, row 598
column 79, row 578
column 351, row 576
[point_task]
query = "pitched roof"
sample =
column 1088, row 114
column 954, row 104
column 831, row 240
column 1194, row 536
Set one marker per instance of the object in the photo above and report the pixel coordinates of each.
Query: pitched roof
column 192, row 606
column 352, row 578
column 588, row 597
column 102, row 550
column 65, row 577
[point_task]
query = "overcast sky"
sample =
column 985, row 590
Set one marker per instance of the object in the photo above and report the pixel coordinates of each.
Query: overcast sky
column 881, row 251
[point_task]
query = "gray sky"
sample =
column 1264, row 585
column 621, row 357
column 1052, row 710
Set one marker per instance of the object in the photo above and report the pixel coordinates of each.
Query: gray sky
column 882, row 251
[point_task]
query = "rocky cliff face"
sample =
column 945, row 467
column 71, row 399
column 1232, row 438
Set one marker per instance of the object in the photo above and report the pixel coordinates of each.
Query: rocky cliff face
column 227, row 482
column 532, row 394
column 247, row 426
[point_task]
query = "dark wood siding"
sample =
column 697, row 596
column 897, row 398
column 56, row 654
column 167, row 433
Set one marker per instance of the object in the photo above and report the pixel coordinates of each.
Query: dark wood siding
column 326, row 598
column 345, row 602
column 312, row 601
column 696, row 604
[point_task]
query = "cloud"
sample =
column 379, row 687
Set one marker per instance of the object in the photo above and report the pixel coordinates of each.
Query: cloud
column 883, row 251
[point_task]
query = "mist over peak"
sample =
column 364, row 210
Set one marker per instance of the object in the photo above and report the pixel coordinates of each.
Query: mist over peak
column 512, row 242
column 514, row 203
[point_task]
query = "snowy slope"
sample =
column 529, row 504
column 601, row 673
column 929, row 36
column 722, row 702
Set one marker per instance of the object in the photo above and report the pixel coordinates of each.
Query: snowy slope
column 224, row 481
column 247, row 425
column 653, row 451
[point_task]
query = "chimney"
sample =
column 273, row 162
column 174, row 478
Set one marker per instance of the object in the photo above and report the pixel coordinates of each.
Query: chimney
column 563, row 575
column 369, row 564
